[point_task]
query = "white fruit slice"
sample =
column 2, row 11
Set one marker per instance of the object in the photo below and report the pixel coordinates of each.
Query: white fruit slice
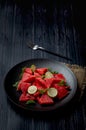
column 52, row 92
column 48, row 74
column 32, row 89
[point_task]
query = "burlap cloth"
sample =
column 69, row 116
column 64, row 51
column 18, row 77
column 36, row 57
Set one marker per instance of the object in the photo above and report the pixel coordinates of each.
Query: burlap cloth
column 80, row 73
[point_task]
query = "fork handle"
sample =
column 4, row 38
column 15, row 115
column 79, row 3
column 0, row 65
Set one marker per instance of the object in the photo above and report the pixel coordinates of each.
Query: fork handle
column 43, row 49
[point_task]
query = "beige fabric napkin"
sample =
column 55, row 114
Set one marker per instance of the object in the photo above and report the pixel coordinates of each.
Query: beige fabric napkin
column 80, row 73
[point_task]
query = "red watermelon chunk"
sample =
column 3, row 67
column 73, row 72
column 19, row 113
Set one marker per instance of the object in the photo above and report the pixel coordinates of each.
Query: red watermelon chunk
column 28, row 70
column 36, row 94
column 40, row 83
column 45, row 99
column 41, row 71
column 49, row 82
column 19, row 85
column 37, row 74
column 59, row 77
column 62, row 91
column 28, row 78
column 23, row 86
column 25, row 97
column 25, row 76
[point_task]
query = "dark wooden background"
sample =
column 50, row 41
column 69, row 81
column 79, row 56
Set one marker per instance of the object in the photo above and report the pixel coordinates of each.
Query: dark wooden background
column 56, row 25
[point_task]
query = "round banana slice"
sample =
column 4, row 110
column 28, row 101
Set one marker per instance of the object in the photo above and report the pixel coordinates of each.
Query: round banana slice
column 32, row 89
column 52, row 92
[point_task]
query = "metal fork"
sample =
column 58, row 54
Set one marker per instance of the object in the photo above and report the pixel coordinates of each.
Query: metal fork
column 37, row 47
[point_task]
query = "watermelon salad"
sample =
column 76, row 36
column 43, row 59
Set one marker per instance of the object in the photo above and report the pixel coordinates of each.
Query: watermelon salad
column 41, row 85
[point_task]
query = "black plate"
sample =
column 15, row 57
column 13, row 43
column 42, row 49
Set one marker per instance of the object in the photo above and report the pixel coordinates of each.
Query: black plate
column 13, row 76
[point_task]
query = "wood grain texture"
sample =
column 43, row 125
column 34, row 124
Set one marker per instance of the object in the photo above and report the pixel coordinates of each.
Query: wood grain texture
column 51, row 25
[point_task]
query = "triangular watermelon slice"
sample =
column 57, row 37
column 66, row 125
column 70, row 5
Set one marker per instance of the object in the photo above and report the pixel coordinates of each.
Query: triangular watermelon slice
column 41, row 71
column 45, row 99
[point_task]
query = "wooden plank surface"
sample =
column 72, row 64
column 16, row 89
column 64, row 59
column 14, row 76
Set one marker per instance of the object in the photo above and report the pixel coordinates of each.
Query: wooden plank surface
column 51, row 25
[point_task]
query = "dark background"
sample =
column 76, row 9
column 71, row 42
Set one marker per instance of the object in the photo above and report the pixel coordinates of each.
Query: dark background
column 68, row 17
column 57, row 25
